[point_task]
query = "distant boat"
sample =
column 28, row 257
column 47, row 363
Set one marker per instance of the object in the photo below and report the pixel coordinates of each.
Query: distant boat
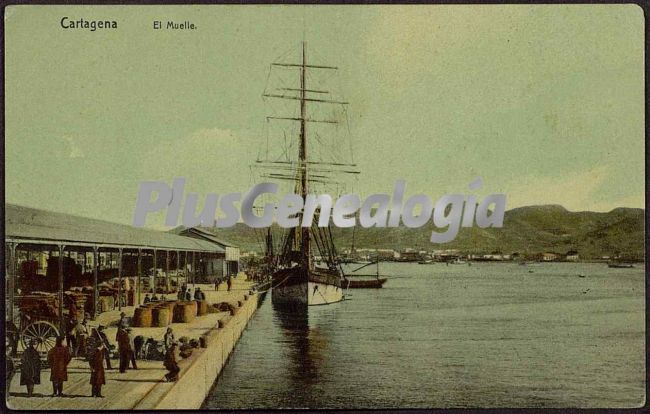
column 376, row 283
column 363, row 284
column 426, row 262
column 457, row 262
column 620, row 265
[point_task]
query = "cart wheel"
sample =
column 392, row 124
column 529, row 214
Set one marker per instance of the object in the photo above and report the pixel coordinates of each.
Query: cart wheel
column 43, row 332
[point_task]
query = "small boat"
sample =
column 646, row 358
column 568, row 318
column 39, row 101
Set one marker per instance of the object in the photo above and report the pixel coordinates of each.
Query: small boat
column 426, row 262
column 581, row 275
column 363, row 284
column 457, row 262
column 376, row 283
column 620, row 265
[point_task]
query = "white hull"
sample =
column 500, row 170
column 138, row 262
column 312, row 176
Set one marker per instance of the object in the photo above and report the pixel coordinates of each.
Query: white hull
column 311, row 294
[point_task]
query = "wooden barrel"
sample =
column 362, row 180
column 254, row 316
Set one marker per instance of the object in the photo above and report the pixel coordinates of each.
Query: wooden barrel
column 142, row 317
column 160, row 316
column 202, row 307
column 184, row 312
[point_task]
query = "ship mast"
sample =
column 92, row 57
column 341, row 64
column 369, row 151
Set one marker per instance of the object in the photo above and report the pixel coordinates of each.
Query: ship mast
column 304, row 237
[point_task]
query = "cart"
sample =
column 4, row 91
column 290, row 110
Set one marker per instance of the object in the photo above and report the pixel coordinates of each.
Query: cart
column 37, row 320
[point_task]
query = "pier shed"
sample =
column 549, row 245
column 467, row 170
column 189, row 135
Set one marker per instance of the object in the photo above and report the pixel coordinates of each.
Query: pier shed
column 61, row 267
column 228, row 264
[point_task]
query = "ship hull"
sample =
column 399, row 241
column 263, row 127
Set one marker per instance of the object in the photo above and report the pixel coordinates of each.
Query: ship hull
column 295, row 288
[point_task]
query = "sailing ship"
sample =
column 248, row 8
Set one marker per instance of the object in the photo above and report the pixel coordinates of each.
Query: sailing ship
column 296, row 280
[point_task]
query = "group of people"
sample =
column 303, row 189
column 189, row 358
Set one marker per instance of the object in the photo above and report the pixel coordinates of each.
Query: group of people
column 96, row 348
column 185, row 293
column 219, row 281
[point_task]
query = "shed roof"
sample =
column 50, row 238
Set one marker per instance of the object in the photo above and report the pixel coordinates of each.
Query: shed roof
column 39, row 226
column 208, row 234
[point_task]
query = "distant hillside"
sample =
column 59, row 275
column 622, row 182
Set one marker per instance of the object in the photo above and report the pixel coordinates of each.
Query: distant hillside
column 530, row 230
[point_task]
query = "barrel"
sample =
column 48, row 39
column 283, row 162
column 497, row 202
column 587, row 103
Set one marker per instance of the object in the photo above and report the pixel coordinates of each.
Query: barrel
column 184, row 312
column 221, row 324
column 142, row 317
column 203, row 341
column 202, row 307
column 161, row 316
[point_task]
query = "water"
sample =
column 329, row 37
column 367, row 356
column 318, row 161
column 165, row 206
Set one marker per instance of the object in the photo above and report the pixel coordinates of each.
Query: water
column 486, row 335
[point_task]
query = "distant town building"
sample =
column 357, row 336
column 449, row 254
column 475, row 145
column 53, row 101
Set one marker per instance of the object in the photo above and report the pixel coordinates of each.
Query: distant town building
column 572, row 256
column 550, row 256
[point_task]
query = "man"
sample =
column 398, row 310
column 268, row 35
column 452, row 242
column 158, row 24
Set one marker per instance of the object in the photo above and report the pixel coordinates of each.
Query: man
column 188, row 295
column 171, row 364
column 131, row 355
column 229, row 283
column 201, row 294
column 154, row 298
column 181, row 294
column 10, row 370
column 168, row 339
column 147, row 299
column 216, row 284
column 197, row 293
column 70, row 334
column 11, row 331
column 100, row 336
column 80, row 334
column 97, row 375
column 30, row 370
column 122, row 322
column 123, row 348
column 59, row 357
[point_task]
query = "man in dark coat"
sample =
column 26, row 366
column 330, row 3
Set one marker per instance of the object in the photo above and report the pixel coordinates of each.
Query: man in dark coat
column 59, row 357
column 30, row 370
column 97, row 375
column 188, row 295
column 123, row 348
column 147, row 299
column 229, row 282
column 171, row 364
column 100, row 336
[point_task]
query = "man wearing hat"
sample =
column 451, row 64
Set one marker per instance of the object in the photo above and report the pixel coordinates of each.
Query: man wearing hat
column 122, row 323
column 30, row 368
column 100, row 336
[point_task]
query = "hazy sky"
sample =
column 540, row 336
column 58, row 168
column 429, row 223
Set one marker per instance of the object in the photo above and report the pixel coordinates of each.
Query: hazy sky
column 545, row 103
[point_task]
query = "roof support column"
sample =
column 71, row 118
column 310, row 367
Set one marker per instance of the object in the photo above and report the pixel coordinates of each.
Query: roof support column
column 11, row 279
column 193, row 270
column 95, row 281
column 61, row 325
column 137, row 283
column 119, row 280
column 167, row 282
column 178, row 270
column 155, row 271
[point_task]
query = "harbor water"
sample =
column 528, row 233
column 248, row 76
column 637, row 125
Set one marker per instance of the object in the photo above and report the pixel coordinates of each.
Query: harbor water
column 485, row 335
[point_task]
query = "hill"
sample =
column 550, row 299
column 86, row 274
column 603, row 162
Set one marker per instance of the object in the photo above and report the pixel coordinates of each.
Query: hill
column 527, row 230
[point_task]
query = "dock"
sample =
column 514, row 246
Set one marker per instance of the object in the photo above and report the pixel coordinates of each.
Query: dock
column 145, row 388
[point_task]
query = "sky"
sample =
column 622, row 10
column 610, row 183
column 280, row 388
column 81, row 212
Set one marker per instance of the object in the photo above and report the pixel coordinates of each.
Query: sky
column 544, row 102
